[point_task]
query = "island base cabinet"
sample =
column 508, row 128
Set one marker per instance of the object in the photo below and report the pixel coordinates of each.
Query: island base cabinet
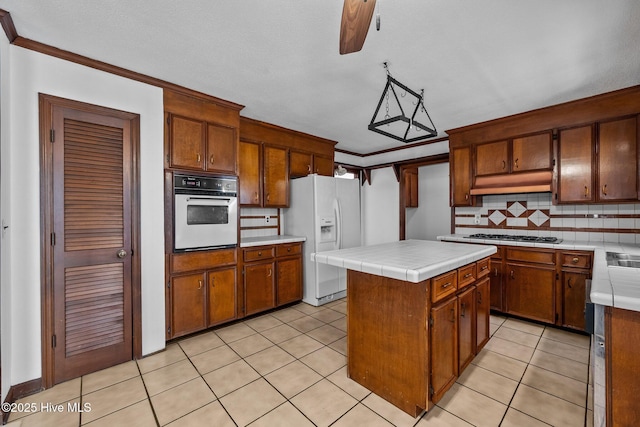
column 443, row 346
column 622, row 346
column 482, row 294
column 387, row 346
column 466, row 324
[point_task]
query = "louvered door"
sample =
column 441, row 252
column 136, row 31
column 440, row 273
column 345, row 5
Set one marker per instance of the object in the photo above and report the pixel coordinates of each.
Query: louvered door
column 92, row 242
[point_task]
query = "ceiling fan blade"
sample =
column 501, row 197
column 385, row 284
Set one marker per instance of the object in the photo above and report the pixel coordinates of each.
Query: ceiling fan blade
column 356, row 18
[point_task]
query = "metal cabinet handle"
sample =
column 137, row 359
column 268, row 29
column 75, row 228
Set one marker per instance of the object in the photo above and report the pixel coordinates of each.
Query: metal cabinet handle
column 484, row 267
column 466, row 196
column 212, row 281
column 198, row 157
column 495, row 272
column 512, row 275
column 269, row 274
column 453, row 316
column 462, row 310
column 256, row 196
column 569, row 283
column 121, row 253
column 260, row 253
column 446, row 285
column 586, row 191
column 199, row 284
column 466, row 276
column 267, row 197
column 309, row 168
column 504, row 164
column 212, row 159
column 575, row 260
column 604, row 189
column 479, row 297
column 516, row 163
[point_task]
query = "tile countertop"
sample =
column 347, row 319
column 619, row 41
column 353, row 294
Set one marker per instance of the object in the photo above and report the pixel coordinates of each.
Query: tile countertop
column 408, row 260
column 270, row 240
column 610, row 285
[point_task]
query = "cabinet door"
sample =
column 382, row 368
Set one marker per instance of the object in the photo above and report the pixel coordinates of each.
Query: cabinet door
column 530, row 292
column 259, row 287
column 276, row 177
column 492, row 158
column 444, row 347
column 482, row 313
column 573, row 298
column 187, row 304
column 575, row 170
column 618, row 160
column 186, row 143
column 221, row 149
column 289, row 286
column 532, row 152
column 221, row 295
column 497, row 288
column 460, row 173
column 323, row 165
column 249, row 163
column 466, row 332
column 300, row 164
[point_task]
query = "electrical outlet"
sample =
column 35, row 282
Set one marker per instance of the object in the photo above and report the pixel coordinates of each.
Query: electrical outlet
column 266, row 219
column 476, row 218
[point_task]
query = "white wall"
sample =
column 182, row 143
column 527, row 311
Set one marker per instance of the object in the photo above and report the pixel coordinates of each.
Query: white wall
column 380, row 208
column 32, row 73
column 432, row 217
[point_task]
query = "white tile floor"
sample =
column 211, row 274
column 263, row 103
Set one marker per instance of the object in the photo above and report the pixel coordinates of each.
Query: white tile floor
column 288, row 368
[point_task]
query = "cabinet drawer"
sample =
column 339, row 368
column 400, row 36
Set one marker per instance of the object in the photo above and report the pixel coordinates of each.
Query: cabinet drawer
column 256, row 254
column 288, row 249
column 531, row 255
column 444, row 285
column 202, row 260
column 482, row 268
column 466, row 275
column 575, row 259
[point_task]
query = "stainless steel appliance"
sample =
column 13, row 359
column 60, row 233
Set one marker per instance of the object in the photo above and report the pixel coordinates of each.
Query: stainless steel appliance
column 205, row 212
column 516, row 238
column 326, row 210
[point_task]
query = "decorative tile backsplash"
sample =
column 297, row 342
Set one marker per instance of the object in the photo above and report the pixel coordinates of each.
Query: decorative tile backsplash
column 259, row 222
column 534, row 214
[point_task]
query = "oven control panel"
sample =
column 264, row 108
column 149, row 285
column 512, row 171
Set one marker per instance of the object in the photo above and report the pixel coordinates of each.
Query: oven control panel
column 220, row 185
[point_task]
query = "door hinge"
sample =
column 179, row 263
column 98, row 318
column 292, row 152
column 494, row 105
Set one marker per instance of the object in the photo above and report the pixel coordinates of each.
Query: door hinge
column 167, row 158
column 53, row 239
column 556, row 317
column 169, row 284
column 554, row 162
column 52, row 135
column 53, row 341
column 557, row 276
column 169, row 330
column 431, row 390
column 168, row 120
column 430, row 321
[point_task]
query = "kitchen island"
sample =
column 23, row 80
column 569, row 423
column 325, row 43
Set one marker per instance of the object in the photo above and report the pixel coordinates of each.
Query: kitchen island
column 409, row 308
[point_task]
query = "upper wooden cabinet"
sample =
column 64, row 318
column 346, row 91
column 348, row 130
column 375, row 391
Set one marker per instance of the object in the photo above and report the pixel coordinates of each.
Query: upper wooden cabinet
column 305, row 163
column 201, row 133
column 263, row 171
column 524, row 154
column 410, row 177
column 598, row 162
column 460, row 177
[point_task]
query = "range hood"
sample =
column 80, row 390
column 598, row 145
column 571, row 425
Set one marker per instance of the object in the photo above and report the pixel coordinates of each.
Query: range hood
column 520, row 182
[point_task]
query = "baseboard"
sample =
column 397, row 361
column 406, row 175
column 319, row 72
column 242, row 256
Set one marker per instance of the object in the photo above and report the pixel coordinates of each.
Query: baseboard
column 19, row 391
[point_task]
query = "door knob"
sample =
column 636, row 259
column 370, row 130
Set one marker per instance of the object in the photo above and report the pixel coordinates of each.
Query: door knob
column 121, row 253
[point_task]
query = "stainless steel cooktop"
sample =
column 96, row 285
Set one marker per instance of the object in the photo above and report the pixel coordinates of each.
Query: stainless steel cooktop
column 535, row 239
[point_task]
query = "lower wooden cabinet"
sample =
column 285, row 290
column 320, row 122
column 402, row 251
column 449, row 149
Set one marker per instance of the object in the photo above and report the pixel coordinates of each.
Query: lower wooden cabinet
column 466, row 327
column 443, row 345
column 222, row 298
column 272, row 276
column 259, row 287
column 496, row 276
column 482, row 296
column 188, row 304
column 573, row 298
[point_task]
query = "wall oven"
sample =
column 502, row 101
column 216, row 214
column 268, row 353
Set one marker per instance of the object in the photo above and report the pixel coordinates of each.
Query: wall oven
column 205, row 212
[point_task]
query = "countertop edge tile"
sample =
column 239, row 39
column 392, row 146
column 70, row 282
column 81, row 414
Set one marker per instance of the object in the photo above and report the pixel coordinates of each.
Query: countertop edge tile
column 248, row 242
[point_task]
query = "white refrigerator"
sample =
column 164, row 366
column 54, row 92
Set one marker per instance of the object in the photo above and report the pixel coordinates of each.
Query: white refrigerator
column 326, row 210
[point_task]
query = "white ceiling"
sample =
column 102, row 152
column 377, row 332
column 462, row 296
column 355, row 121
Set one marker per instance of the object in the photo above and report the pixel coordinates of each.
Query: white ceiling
column 476, row 60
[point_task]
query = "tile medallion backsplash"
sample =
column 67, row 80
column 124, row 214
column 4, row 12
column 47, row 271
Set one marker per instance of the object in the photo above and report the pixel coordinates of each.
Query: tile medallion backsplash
column 534, row 214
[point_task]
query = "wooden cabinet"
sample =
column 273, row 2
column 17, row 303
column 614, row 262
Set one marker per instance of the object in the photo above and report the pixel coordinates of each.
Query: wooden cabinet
column 305, row 163
column 524, row 154
column 276, row 177
column 482, row 297
column 410, row 185
column 272, row 276
column 201, row 292
column 622, row 346
column 466, row 327
column 598, row 163
column 496, row 277
column 575, row 269
column 460, row 177
column 263, row 170
column 443, row 346
column 200, row 145
column 188, row 304
column 530, row 283
column 222, row 299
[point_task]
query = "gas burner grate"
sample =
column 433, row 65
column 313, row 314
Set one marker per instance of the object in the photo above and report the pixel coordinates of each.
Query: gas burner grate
column 515, row 238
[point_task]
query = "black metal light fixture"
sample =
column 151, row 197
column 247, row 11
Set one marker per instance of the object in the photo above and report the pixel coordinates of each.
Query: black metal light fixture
column 404, row 115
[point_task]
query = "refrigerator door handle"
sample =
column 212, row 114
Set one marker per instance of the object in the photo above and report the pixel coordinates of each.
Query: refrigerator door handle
column 338, row 214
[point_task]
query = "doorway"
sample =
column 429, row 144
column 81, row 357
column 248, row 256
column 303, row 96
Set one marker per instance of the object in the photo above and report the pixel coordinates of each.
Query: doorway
column 91, row 305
